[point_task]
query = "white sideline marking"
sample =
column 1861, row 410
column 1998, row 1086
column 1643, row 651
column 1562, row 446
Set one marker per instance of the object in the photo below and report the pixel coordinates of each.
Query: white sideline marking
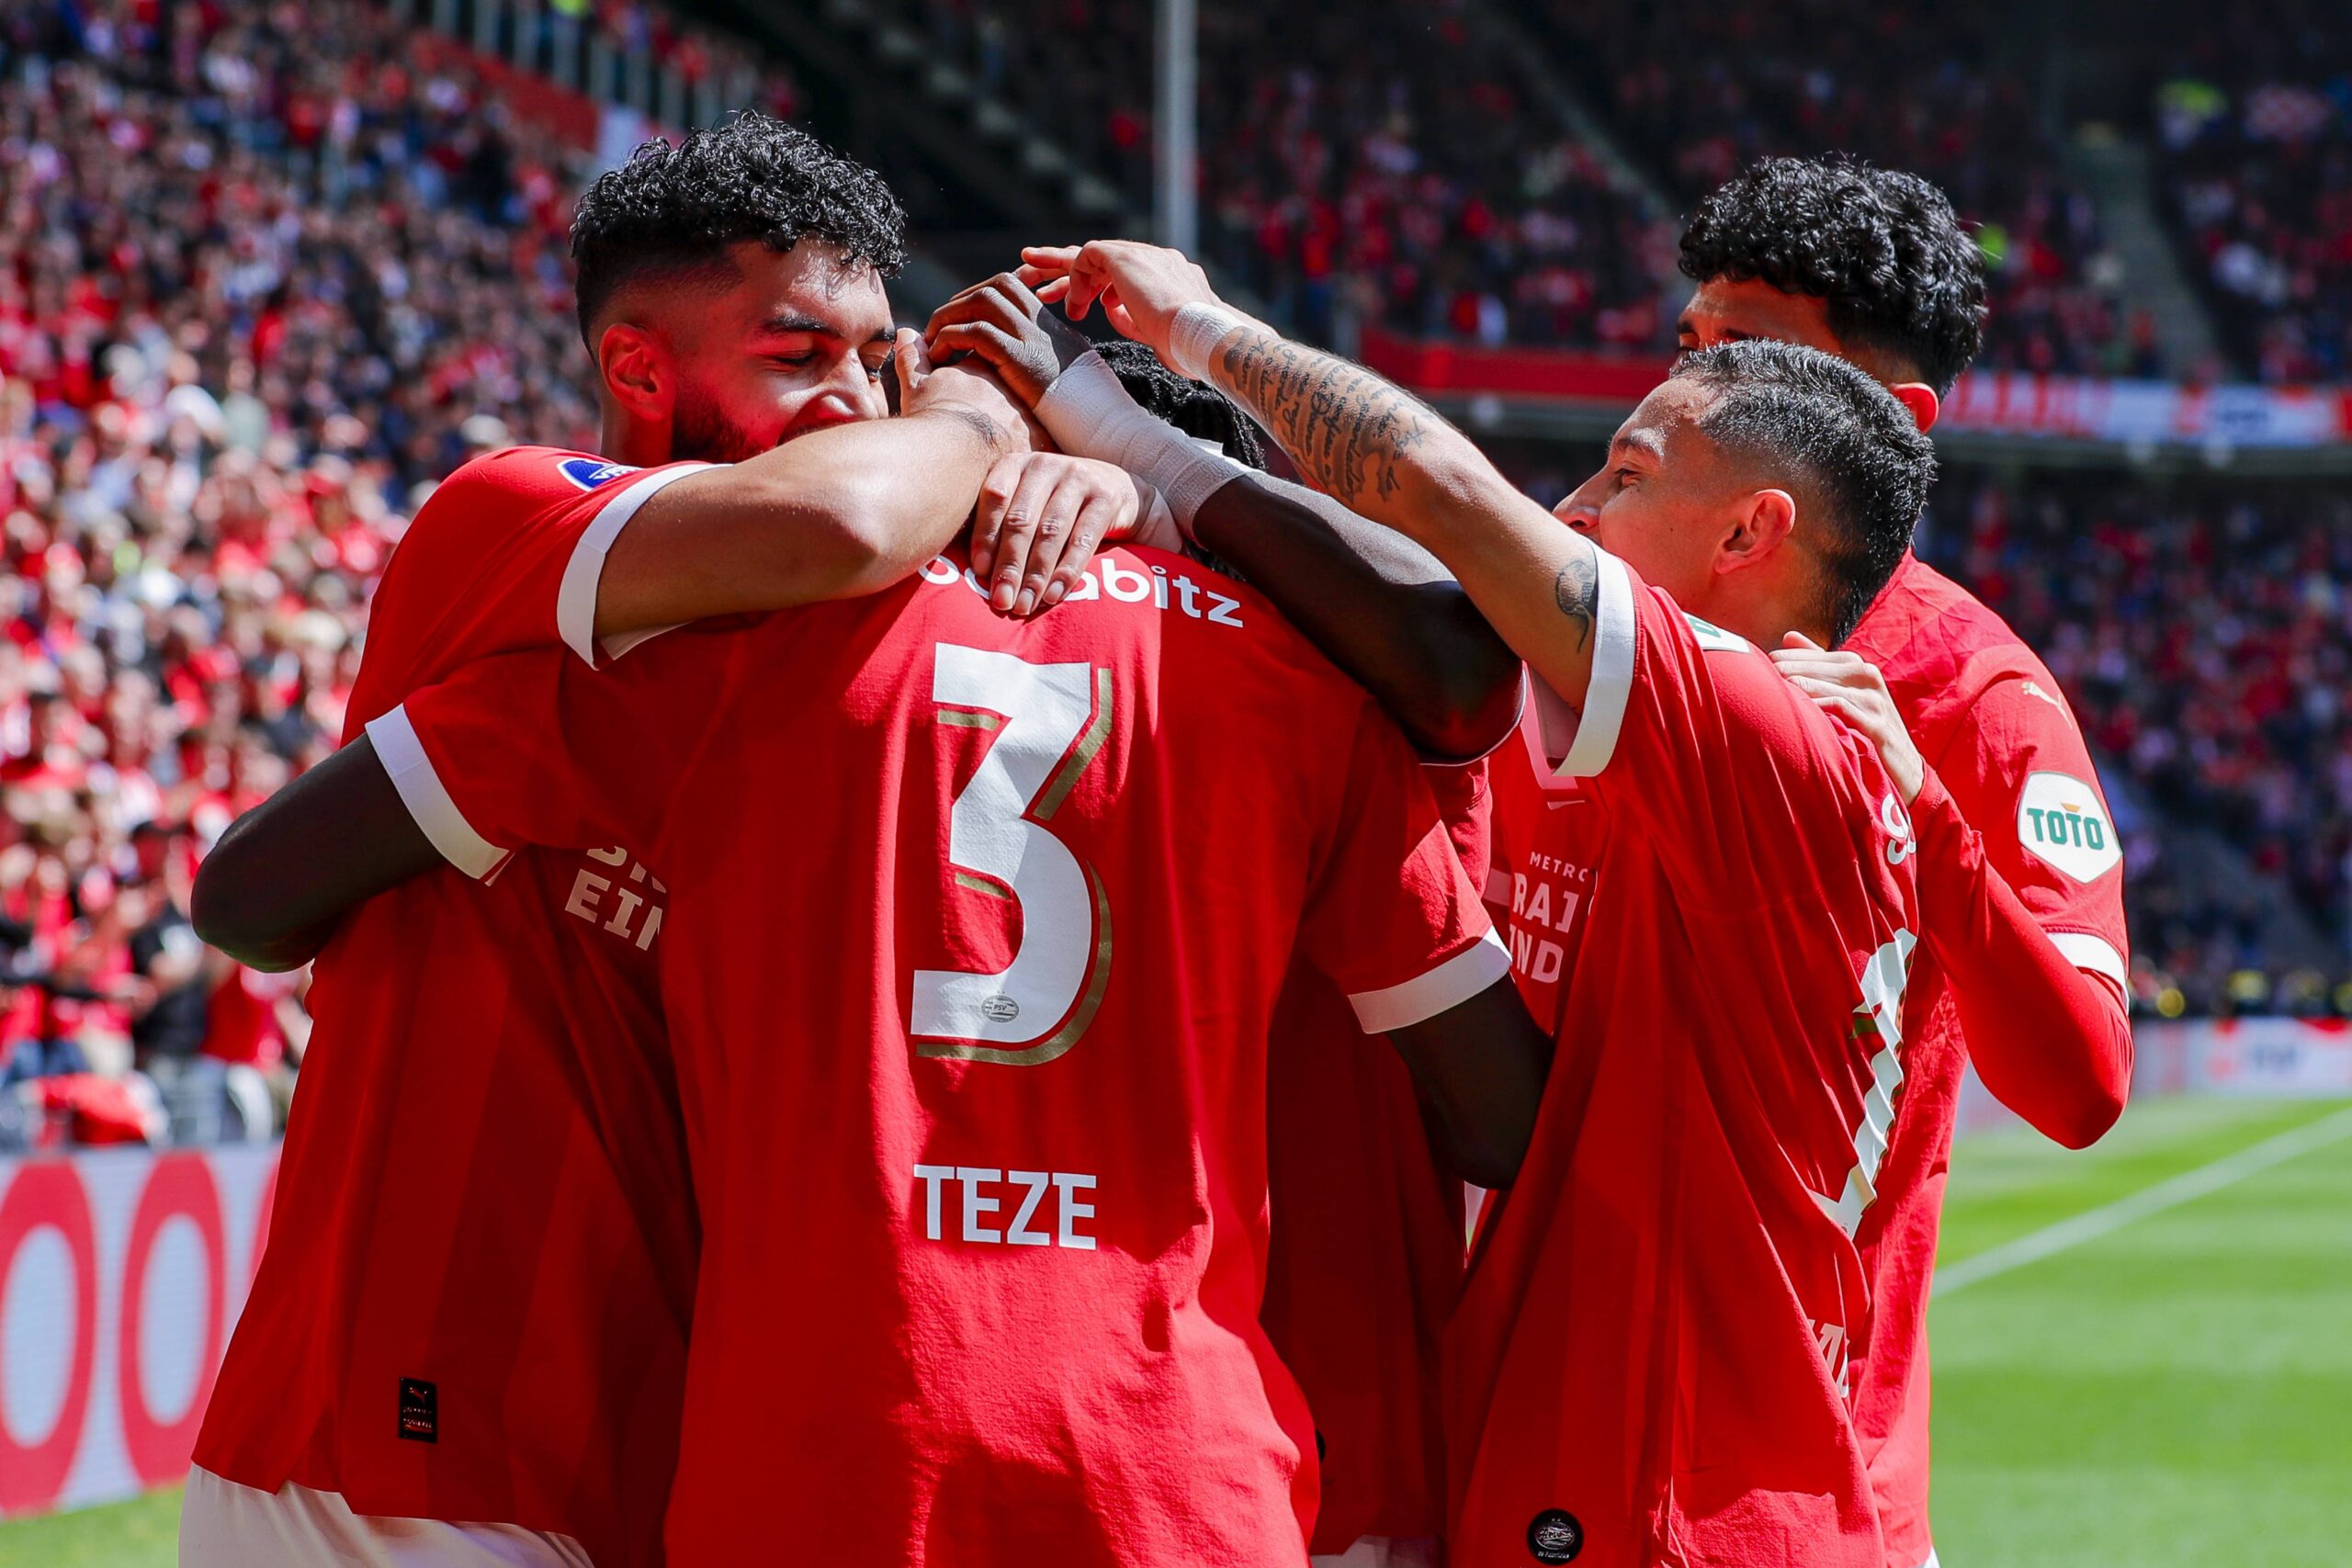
column 2168, row 1194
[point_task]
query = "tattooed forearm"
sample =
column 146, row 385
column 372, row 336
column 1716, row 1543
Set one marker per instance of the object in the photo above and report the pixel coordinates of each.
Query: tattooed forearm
column 1350, row 432
column 1576, row 591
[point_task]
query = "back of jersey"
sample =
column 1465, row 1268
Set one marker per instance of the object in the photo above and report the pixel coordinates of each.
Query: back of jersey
column 975, row 932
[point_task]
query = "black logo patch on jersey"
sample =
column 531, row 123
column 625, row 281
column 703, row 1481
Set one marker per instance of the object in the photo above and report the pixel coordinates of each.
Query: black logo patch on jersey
column 420, row 1411
column 1554, row 1537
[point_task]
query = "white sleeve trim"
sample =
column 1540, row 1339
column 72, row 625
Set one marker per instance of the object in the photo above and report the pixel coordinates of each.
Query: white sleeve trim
column 1556, row 721
column 1451, row 984
column 575, row 597
column 1612, row 674
column 427, row 799
column 2093, row 955
column 620, row 643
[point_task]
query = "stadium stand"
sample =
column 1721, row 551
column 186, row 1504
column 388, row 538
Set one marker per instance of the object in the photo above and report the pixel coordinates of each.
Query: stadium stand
column 2199, row 631
column 2251, row 118
column 263, row 292
column 1703, row 88
column 273, row 272
column 1387, row 163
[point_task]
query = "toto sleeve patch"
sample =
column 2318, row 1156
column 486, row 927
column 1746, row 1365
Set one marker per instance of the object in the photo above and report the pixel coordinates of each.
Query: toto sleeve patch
column 2062, row 821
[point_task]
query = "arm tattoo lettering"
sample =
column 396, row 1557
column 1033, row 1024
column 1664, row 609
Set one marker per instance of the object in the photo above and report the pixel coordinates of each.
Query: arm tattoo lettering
column 1350, row 431
column 1576, row 591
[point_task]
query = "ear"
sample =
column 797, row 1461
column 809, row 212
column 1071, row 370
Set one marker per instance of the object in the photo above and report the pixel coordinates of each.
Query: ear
column 1920, row 399
column 1760, row 525
column 635, row 365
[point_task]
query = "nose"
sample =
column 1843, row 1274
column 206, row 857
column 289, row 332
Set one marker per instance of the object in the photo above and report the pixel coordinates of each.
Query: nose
column 851, row 393
column 1579, row 510
column 847, row 395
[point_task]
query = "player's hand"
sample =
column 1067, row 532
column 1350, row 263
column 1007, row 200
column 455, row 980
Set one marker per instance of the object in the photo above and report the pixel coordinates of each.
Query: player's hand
column 971, row 388
column 1852, row 685
column 1140, row 287
column 1003, row 322
column 1041, row 518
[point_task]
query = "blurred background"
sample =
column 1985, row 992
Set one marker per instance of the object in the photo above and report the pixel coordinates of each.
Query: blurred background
column 270, row 271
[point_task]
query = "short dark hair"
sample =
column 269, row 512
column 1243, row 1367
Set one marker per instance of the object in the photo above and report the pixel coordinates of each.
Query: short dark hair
column 1193, row 407
column 1884, row 250
column 672, row 211
column 1837, row 437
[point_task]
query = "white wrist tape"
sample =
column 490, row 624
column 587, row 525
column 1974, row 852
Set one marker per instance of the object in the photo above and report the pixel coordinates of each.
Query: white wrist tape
column 1194, row 335
column 1155, row 524
column 1087, row 412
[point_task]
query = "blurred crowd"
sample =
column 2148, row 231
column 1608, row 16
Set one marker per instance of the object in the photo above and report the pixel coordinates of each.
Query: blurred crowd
column 1704, row 88
column 1387, row 162
column 2252, row 124
column 2204, row 634
column 267, row 283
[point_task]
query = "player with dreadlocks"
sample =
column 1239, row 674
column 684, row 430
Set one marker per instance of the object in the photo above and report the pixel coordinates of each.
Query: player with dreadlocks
column 1364, row 1263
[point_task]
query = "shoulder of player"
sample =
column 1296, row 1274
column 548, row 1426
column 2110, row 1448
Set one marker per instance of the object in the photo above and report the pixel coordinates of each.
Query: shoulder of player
column 1811, row 742
column 1943, row 650
column 543, row 474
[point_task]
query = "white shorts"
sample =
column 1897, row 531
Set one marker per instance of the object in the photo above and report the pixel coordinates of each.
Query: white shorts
column 1383, row 1551
column 223, row 1524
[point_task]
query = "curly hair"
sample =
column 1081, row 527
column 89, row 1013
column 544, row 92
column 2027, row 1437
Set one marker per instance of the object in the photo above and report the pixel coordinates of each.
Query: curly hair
column 1193, row 407
column 1824, row 428
column 672, row 212
column 1884, row 250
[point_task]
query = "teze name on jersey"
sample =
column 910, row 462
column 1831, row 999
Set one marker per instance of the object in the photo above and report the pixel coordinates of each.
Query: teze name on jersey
column 976, row 1182
column 1108, row 577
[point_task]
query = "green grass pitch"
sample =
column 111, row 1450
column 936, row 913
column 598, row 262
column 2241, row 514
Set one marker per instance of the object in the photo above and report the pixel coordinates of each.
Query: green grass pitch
column 2176, row 1390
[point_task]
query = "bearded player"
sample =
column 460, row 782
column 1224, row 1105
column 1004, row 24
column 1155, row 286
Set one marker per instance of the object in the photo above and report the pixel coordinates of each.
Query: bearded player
column 1649, row 1355
column 467, row 1341
column 2022, row 965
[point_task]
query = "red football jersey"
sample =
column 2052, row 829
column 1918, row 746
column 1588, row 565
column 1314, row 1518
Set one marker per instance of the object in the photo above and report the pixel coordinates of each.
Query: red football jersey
column 1986, row 714
column 474, row 1302
column 976, row 934
column 1538, row 883
column 1649, row 1359
column 1364, row 1258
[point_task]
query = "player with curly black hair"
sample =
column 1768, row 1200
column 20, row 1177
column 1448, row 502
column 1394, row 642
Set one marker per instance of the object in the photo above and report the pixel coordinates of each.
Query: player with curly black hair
column 2022, row 969
column 672, row 212
column 1871, row 264
column 482, row 1209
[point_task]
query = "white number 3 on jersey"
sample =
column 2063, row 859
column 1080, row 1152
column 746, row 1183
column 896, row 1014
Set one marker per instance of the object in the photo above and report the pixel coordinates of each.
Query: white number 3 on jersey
column 1050, row 722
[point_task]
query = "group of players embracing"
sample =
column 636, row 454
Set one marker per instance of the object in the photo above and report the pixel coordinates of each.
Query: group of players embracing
column 846, row 925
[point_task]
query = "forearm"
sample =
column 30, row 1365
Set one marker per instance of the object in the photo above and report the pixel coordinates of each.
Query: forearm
column 1479, row 1070
column 841, row 513
column 1384, row 456
column 2051, row 1042
column 1380, row 607
column 272, row 890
